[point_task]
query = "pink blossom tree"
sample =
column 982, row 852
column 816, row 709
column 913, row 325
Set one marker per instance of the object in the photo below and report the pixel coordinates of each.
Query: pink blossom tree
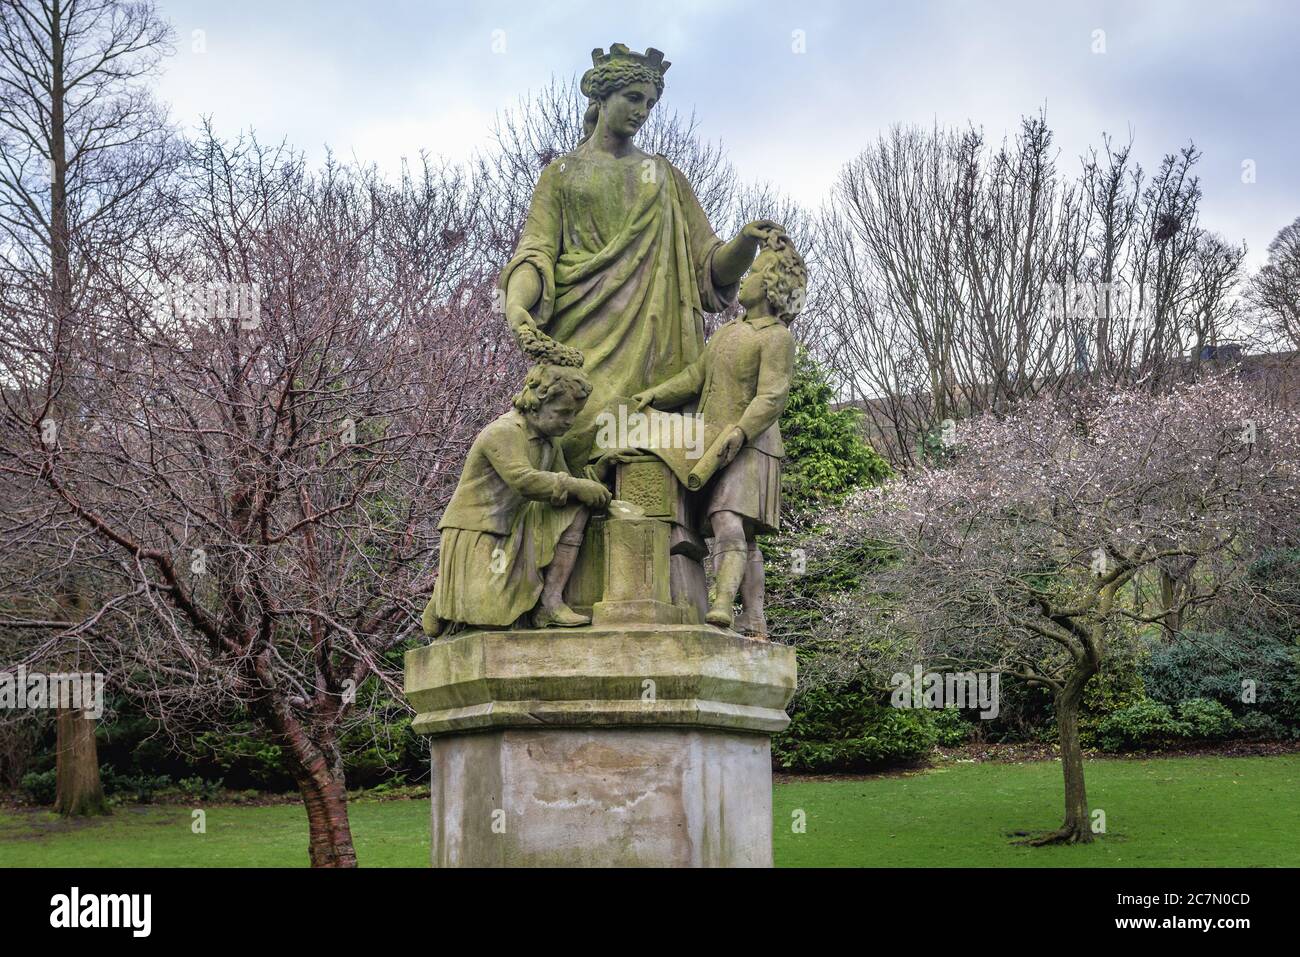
column 1016, row 554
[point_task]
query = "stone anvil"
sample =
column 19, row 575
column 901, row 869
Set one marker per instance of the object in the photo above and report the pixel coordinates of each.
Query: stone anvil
column 641, row 740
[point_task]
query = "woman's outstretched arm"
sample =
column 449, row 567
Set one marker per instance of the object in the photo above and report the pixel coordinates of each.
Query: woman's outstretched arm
column 733, row 258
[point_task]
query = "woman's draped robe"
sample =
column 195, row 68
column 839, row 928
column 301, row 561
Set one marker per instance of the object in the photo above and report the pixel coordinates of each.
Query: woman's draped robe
column 625, row 254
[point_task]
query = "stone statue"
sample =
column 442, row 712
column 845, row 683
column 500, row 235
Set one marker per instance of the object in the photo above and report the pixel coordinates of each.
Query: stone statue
column 742, row 382
column 510, row 535
column 638, row 736
column 613, row 271
column 617, row 261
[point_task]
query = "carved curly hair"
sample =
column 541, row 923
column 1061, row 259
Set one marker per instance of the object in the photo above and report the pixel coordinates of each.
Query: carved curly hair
column 543, row 382
column 599, row 82
column 786, row 283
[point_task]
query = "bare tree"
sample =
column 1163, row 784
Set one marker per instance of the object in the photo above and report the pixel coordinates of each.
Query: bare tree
column 1214, row 314
column 81, row 142
column 961, row 279
column 1275, row 289
column 938, row 253
column 265, row 444
column 1166, row 240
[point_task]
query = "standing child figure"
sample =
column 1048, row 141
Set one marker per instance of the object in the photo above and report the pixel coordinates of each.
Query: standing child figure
column 511, row 533
column 743, row 381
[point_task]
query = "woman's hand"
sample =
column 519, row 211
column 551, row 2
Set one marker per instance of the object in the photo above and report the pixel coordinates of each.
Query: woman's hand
column 760, row 229
column 519, row 318
column 642, row 399
column 523, row 290
column 732, row 259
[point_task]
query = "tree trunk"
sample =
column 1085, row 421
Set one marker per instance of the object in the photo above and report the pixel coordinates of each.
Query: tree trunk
column 1169, row 599
column 318, row 769
column 60, row 232
column 1077, row 828
column 325, row 795
column 77, row 788
column 78, row 791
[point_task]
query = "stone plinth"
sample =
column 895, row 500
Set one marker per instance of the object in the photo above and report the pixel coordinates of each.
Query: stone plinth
column 601, row 746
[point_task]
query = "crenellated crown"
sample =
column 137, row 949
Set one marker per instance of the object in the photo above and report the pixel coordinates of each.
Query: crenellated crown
column 652, row 58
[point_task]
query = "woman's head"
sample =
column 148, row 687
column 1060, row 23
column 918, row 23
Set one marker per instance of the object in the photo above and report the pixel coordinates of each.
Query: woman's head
column 624, row 86
column 553, row 396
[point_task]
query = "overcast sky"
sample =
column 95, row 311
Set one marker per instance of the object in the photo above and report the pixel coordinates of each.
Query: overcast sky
column 380, row 80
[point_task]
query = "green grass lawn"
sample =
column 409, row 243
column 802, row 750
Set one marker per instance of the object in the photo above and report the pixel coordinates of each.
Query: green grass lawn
column 1211, row 811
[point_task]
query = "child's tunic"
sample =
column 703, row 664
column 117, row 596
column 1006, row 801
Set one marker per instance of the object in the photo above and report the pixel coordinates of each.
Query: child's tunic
column 501, row 527
column 742, row 379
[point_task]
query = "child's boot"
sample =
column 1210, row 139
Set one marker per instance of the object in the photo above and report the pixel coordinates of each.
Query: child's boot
column 752, row 621
column 730, row 572
column 551, row 610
